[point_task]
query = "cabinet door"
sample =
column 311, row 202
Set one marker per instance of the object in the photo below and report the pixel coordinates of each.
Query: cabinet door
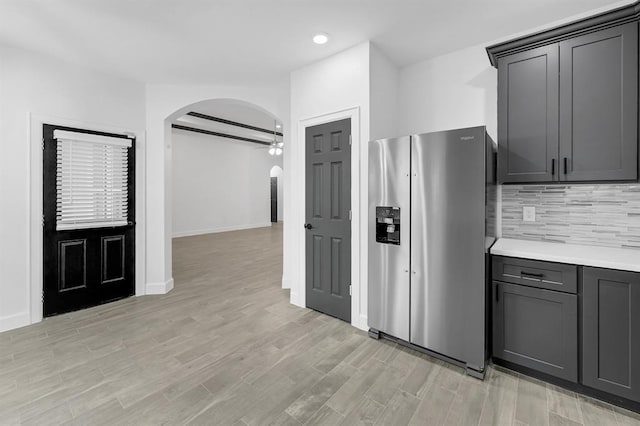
column 599, row 105
column 611, row 331
column 528, row 116
column 536, row 328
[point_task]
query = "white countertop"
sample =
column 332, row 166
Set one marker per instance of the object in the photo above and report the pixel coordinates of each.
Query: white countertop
column 602, row 257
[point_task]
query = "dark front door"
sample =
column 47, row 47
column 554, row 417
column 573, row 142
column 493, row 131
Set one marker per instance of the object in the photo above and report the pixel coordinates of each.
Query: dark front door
column 328, row 222
column 84, row 265
column 274, row 199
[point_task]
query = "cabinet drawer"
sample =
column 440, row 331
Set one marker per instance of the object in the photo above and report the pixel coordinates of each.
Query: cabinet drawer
column 536, row 273
column 536, row 328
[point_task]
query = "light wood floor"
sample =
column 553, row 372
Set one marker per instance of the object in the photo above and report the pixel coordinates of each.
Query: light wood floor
column 226, row 347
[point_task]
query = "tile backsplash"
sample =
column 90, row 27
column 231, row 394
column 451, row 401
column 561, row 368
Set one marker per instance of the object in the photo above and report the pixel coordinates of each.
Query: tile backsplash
column 598, row 215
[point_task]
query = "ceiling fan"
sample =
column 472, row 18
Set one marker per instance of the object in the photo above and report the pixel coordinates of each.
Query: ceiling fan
column 276, row 146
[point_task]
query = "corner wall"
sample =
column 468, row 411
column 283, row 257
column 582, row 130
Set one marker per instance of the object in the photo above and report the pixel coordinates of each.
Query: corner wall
column 448, row 92
column 358, row 82
column 384, row 80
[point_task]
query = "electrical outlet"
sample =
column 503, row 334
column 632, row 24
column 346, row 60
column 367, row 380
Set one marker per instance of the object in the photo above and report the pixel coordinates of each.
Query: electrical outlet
column 528, row 214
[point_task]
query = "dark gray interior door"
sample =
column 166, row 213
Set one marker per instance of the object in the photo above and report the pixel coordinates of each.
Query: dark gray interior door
column 528, row 116
column 599, row 105
column 328, row 222
column 611, row 331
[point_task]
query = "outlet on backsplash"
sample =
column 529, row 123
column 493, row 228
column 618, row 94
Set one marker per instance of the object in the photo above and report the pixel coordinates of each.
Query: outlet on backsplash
column 528, row 214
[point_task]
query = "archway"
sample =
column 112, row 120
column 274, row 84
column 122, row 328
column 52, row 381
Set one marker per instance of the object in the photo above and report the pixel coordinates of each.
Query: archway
column 218, row 190
column 164, row 104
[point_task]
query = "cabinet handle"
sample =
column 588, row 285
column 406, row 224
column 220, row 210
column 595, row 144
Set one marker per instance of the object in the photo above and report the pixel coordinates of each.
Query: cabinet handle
column 553, row 166
column 529, row 274
column 565, row 165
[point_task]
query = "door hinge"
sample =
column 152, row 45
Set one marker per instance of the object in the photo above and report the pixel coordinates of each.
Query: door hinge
column 350, row 140
column 43, row 144
column 43, row 220
column 349, row 214
column 349, row 289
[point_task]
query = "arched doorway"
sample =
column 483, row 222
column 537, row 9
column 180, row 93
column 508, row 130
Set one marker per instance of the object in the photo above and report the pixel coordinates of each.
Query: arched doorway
column 219, row 192
column 164, row 105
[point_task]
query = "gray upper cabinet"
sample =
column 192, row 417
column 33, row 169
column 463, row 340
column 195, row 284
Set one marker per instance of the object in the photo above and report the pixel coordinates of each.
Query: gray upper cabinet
column 528, row 115
column 611, row 331
column 568, row 102
column 599, row 105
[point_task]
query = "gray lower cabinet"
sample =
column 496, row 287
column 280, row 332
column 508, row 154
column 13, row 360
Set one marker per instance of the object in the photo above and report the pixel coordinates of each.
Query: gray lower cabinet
column 599, row 105
column 536, row 328
column 611, row 331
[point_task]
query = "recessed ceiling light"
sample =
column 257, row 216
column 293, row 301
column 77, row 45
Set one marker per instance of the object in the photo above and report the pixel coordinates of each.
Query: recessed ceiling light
column 320, row 38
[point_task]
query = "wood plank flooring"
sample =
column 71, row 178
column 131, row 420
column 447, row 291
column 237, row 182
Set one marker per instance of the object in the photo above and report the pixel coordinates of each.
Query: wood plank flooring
column 226, row 347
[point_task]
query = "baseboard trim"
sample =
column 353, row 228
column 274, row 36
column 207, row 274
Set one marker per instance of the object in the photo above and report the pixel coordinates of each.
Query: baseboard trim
column 15, row 321
column 293, row 299
column 160, row 288
column 286, row 283
column 221, row 229
column 363, row 323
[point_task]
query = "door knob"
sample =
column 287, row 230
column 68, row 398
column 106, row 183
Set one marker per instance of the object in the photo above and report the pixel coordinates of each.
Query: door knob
column 308, row 226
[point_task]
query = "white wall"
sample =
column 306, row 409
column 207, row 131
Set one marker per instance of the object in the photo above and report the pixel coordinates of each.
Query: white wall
column 447, row 92
column 321, row 92
column 219, row 184
column 41, row 86
column 384, row 80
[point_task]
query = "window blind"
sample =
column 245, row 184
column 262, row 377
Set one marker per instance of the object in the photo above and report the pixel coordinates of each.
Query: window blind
column 91, row 180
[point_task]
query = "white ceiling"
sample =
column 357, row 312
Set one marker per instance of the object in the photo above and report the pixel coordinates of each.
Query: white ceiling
column 234, row 41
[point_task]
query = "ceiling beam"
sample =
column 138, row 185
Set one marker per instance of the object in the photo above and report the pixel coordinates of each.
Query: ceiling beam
column 221, row 135
column 231, row 123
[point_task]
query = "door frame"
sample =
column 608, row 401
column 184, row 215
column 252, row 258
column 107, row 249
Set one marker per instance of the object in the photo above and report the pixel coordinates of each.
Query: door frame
column 358, row 226
column 35, row 246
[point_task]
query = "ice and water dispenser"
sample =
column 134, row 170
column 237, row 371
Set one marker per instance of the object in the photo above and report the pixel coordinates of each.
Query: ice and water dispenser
column 388, row 225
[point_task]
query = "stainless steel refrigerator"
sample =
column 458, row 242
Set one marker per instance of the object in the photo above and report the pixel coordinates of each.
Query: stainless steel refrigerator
column 432, row 203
